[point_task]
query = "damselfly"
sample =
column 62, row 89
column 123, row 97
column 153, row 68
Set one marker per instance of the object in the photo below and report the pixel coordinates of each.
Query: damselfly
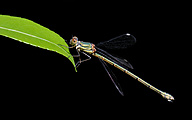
column 122, row 41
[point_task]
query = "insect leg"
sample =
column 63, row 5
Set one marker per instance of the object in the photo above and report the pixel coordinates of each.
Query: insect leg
column 80, row 61
column 67, row 46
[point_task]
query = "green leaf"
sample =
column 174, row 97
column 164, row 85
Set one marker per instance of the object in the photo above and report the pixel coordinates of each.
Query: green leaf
column 29, row 32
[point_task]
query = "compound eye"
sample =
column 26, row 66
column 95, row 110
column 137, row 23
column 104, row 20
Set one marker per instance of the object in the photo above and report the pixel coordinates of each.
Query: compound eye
column 74, row 40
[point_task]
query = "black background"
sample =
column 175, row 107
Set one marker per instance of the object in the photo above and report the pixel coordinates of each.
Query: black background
column 43, row 74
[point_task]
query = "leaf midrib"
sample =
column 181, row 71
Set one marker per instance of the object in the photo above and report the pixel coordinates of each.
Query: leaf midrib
column 33, row 37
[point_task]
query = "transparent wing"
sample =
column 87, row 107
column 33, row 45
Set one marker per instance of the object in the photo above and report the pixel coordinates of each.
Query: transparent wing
column 122, row 62
column 112, row 76
column 120, row 42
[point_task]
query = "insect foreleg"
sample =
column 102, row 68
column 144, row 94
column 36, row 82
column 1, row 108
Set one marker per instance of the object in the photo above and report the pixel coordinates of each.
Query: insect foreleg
column 80, row 61
column 67, row 46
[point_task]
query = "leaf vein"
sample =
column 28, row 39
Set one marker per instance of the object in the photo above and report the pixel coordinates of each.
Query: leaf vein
column 33, row 36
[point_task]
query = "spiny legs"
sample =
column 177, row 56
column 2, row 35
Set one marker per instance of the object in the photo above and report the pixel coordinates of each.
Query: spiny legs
column 78, row 55
column 80, row 61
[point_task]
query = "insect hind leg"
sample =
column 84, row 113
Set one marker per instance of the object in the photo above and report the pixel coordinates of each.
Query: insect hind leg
column 80, row 61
